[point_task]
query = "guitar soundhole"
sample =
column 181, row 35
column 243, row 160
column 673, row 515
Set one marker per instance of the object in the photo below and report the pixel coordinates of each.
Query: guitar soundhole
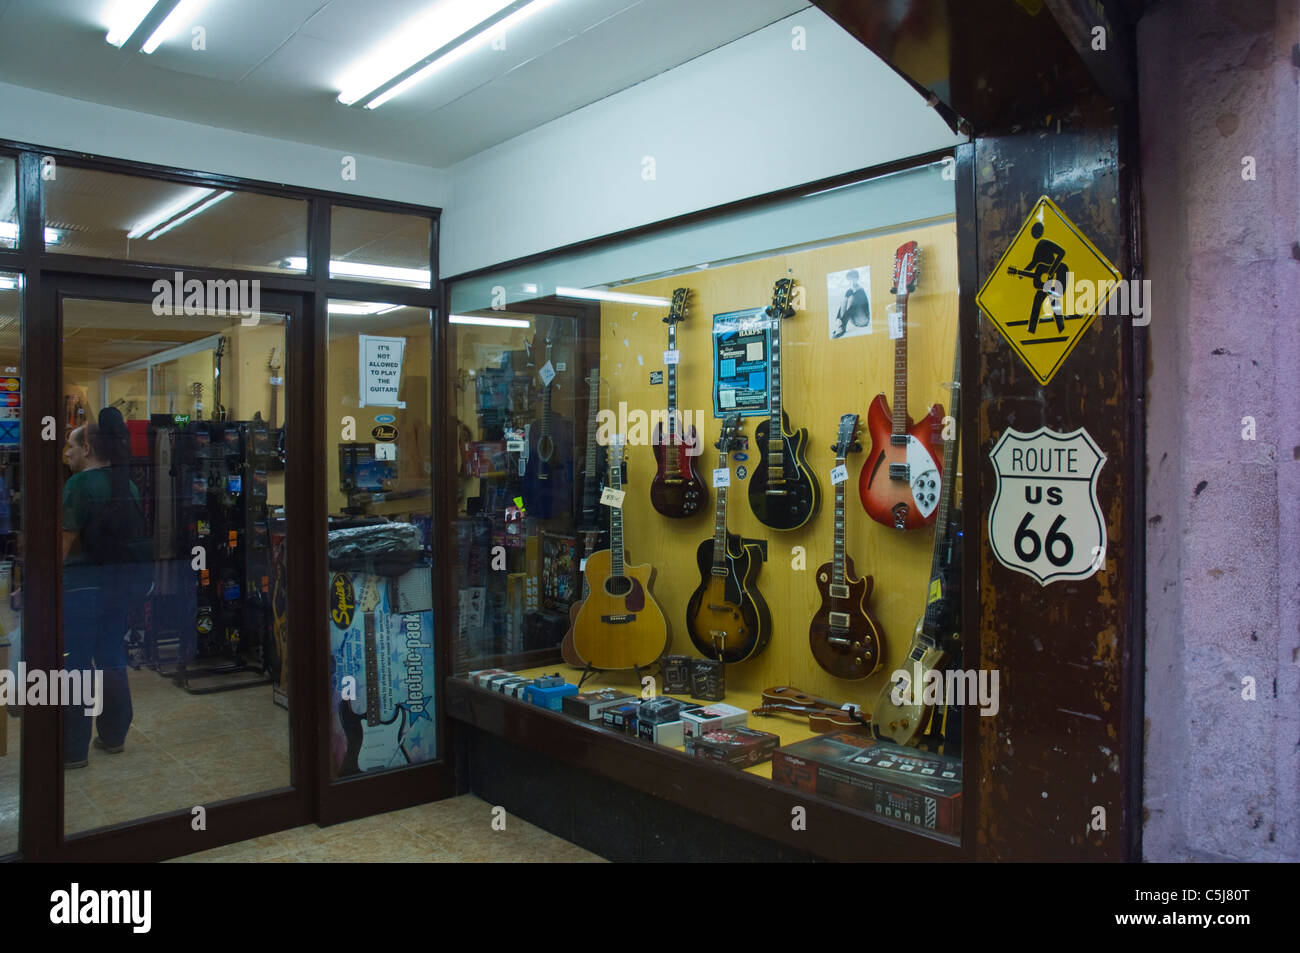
column 618, row 585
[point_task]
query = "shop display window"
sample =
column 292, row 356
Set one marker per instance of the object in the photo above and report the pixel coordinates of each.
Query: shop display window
column 714, row 470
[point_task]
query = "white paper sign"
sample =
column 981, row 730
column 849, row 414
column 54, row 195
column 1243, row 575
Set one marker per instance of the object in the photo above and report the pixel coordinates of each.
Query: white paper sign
column 385, row 451
column 895, row 325
column 754, row 351
column 612, row 497
column 839, row 474
column 722, row 477
column 380, row 366
column 727, row 398
column 547, row 374
column 672, row 357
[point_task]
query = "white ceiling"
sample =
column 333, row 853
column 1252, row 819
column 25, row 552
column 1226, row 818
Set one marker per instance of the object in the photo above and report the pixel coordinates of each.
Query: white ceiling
column 271, row 67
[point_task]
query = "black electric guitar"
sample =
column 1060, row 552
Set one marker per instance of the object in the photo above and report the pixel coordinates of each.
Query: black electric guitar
column 900, row 714
column 218, row 408
column 845, row 637
column 727, row 617
column 547, row 489
column 595, row 462
column 676, row 490
column 373, row 741
column 783, row 492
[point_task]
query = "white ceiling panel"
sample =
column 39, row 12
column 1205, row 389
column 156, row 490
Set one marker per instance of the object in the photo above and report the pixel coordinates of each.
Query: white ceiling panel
column 237, row 36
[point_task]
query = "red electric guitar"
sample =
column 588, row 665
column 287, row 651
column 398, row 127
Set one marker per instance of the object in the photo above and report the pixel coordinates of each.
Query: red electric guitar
column 900, row 483
column 676, row 490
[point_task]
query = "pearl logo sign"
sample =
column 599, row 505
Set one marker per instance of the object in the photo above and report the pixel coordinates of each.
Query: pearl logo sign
column 1045, row 520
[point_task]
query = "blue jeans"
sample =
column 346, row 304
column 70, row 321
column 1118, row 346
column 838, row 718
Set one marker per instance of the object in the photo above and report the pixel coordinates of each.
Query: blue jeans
column 96, row 599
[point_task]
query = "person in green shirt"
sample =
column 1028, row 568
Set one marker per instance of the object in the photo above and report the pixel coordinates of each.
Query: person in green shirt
column 103, row 527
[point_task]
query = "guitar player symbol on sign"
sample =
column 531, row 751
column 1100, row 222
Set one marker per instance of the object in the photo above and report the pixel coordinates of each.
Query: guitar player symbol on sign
column 1047, row 265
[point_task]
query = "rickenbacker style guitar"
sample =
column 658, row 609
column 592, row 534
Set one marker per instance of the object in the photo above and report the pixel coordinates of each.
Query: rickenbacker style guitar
column 905, row 721
column 620, row 626
column 547, row 489
column 899, row 484
column 727, row 617
column 676, row 490
column 373, row 741
column 846, row 638
column 783, row 492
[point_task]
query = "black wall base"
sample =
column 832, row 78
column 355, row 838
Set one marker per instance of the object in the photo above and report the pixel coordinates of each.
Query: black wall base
column 617, row 822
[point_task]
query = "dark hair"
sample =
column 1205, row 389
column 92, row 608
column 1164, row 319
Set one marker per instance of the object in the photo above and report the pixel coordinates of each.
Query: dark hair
column 118, row 522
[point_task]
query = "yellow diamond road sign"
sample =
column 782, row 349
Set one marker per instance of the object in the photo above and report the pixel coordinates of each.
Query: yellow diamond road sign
column 1047, row 288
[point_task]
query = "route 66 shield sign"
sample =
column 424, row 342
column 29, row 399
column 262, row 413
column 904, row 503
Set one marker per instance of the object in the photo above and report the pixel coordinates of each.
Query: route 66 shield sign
column 1045, row 520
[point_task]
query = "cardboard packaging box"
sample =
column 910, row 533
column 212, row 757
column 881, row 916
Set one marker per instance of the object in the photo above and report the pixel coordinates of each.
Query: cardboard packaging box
column 697, row 722
column 589, row 705
column 665, row 733
column 621, row 718
column 740, row 747
column 551, row 697
column 905, row 786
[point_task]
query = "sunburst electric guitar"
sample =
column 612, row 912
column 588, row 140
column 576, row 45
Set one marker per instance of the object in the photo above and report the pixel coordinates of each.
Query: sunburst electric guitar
column 620, row 625
column 899, row 485
column 845, row 637
column 676, row 490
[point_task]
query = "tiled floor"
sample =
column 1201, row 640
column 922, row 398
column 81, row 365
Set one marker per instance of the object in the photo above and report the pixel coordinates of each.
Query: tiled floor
column 458, row 830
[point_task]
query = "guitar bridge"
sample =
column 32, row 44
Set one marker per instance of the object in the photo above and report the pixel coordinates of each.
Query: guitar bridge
column 838, row 592
column 900, row 471
column 839, row 620
column 618, row 618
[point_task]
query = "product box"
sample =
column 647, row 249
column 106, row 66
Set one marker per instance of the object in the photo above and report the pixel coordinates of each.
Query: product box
column 494, row 685
column 484, row 676
column 697, row 722
column 708, row 681
column 675, row 670
column 666, row 733
column 508, row 686
column 906, row 786
column 741, row 747
column 589, row 705
column 660, row 710
column 521, row 690
column 621, row 718
column 551, row 697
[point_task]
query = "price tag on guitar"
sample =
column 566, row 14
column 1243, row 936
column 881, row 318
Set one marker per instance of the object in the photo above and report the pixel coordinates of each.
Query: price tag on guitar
column 612, row 497
column 722, row 477
column 1045, row 520
column 672, row 357
column 839, row 474
column 547, row 374
column 895, row 324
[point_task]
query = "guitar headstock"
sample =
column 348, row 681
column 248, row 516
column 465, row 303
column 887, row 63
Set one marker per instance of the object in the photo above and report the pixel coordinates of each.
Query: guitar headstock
column 616, row 443
column 782, row 292
column 275, row 361
column 846, row 441
column 678, row 310
column 730, row 435
column 907, row 268
column 221, row 346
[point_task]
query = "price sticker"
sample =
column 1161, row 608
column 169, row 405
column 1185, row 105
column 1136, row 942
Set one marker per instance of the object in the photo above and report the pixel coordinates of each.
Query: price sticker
column 895, row 325
column 582, row 564
column 727, row 398
column 547, row 373
column 277, row 381
column 722, row 477
column 672, row 357
column 839, row 474
column 561, row 366
column 612, row 497
column 515, row 446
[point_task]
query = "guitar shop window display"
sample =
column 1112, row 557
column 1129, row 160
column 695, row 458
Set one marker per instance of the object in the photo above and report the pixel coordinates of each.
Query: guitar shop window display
column 107, row 570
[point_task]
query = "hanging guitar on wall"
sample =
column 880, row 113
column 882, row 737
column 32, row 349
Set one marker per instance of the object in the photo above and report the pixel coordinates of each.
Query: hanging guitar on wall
column 218, row 408
column 548, row 492
column 899, row 484
column 676, row 490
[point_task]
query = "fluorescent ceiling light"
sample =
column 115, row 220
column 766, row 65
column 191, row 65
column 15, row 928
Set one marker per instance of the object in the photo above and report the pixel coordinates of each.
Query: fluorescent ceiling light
column 8, row 284
column 125, row 19
column 359, row 307
column 615, row 296
column 178, row 18
column 192, row 198
column 489, row 322
column 427, row 44
column 361, row 269
column 201, row 207
column 9, row 232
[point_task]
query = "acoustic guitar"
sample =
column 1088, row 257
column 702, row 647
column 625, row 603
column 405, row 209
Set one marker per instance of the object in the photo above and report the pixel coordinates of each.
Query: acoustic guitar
column 727, row 617
column 906, row 720
column 845, row 637
column 620, row 625
column 676, row 490
column 899, row 484
column 783, row 493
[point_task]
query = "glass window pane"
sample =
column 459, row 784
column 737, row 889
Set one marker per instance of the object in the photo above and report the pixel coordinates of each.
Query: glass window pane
column 380, row 538
column 8, row 202
column 11, row 651
column 173, row 578
column 384, row 247
column 108, row 215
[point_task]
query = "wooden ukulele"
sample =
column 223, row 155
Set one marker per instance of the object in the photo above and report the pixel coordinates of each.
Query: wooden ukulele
column 619, row 626
column 727, row 616
column 846, row 638
column 676, row 490
column 904, row 721
column 218, row 408
column 899, row 484
column 823, row 715
column 783, row 493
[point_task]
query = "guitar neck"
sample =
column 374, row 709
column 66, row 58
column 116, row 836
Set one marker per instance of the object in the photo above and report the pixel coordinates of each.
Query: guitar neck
column 935, row 608
column 616, row 520
column 672, row 468
column 774, row 379
column 837, row 568
column 900, row 372
column 546, row 412
column 593, row 403
column 720, row 525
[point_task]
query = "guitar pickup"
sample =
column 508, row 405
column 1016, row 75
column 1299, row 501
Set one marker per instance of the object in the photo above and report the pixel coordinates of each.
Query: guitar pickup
column 838, row 592
column 619, row 618
column 900, row 471
column 839, row 620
